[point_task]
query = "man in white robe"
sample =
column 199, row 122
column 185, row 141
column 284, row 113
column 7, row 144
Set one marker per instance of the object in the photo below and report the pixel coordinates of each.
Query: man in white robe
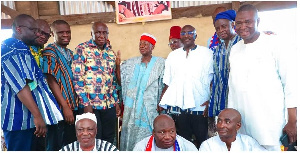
column 228, row 124
column 164, row 137
column 262, row 82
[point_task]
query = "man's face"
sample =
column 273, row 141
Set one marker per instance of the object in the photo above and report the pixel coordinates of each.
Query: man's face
column 224, row 29
column 175, row 43
column 145, row 48
column 44, row 34
column 227, row 125
column 246, row 25
column 62, row 34
column 188, row 36
column 100, row 34
column 86, row 131
column 29, row 32
column 165, row 135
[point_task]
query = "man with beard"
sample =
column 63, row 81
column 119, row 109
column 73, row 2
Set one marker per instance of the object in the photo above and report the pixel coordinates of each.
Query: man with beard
column 164, row 137
column 36, row 49
column 187, row 77
column 27, row 103
column 228, row 138
column 95, row 67
column 262, row 76
column 57, row 60
column 86, row 130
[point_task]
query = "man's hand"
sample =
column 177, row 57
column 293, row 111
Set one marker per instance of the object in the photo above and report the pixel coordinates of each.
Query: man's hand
column 159, row 109
column 88, row 108
column 291, row 127
column 68, row 115
column 40, row 126
column 118, row 110
column 205, row 112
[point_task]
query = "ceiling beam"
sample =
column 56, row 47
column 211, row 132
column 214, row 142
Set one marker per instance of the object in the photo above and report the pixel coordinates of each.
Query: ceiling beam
column 34, row 9
column 8, row 11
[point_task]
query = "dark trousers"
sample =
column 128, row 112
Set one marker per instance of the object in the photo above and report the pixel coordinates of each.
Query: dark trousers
column 60, row 134
column 20, row 140
column 106, row 123
column 189, row 124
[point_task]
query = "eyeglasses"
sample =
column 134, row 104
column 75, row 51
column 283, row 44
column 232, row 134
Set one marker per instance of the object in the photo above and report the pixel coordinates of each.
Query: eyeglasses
column 45, row 33
column 35, row 30
column 187, row 33
column 173, row 42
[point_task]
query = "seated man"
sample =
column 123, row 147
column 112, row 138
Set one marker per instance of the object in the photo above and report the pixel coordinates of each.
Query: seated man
column 164, row 137
column 86, row 130
column 228, row 123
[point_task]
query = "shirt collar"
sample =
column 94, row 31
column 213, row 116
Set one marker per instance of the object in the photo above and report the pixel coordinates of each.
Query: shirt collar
column 191, row 49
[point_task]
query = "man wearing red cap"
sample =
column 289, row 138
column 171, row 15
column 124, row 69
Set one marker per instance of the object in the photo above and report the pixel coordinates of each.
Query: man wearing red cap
column 174, row 38
column 141, row 80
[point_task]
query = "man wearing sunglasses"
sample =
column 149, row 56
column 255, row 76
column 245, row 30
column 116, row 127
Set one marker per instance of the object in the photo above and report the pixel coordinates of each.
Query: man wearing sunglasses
column 174, row 38
column 27, row 103
column 187, row 78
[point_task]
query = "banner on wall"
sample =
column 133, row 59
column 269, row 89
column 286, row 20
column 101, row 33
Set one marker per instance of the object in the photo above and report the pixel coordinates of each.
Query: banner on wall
column 142, row 11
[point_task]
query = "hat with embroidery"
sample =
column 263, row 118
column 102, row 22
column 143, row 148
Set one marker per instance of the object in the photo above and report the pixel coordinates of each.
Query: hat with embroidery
column 229, row 15
column 175, row 32
column 88, row 115
column 148, row 37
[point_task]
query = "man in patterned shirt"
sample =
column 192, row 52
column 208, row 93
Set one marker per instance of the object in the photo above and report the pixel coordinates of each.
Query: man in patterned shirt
column 57, row 67
column 27, row 103
column 94, row 68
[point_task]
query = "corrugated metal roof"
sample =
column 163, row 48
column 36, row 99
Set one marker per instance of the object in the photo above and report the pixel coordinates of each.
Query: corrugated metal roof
column 82, row 7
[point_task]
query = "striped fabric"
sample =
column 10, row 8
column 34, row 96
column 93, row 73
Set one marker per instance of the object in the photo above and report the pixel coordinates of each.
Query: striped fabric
column 17, row 68
column 101, row 145
column 219, row 89
column 55, row 63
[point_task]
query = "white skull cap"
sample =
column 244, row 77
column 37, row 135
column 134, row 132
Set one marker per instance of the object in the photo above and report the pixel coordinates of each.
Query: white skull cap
column 88, row 115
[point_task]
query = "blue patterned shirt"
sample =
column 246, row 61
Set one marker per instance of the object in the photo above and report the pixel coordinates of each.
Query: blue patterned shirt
column 17, row 68
column 219, row 89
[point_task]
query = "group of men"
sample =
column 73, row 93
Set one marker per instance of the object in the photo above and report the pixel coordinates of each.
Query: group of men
column 75, row 92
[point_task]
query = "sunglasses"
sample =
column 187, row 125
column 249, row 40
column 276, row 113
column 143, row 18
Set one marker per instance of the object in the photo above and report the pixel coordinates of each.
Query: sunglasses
column 187, row 33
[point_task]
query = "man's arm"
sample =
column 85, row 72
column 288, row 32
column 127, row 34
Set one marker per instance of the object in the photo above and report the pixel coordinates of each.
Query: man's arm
column 68, row 113
column 160, row 109
column 26, row 98
column 78, row 69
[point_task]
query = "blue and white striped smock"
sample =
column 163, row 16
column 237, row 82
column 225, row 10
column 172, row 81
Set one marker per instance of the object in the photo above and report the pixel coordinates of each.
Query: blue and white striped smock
column 17, row 66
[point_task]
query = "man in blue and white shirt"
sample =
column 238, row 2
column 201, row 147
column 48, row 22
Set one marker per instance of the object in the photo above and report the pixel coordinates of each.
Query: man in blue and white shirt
column 27, row 104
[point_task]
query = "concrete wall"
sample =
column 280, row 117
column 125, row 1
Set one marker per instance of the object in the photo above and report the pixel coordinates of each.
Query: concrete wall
column 126, row 37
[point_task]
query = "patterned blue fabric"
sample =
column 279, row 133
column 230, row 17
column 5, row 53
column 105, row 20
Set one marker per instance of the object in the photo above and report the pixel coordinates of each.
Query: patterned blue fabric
column 17, row 68
column 219, row 93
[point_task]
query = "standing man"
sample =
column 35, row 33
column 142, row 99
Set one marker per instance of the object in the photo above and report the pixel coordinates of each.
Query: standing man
column 141, row 87
column 174, row 38
column 94, row 68
column 27, row 103
column 214, row 40
column 262, row 76
column 57, row 68
column 36, row 49
column 187, row 77
column 224, row 25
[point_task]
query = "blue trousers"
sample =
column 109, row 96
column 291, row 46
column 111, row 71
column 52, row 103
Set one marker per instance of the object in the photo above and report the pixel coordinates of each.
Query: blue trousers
column 20, row 140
